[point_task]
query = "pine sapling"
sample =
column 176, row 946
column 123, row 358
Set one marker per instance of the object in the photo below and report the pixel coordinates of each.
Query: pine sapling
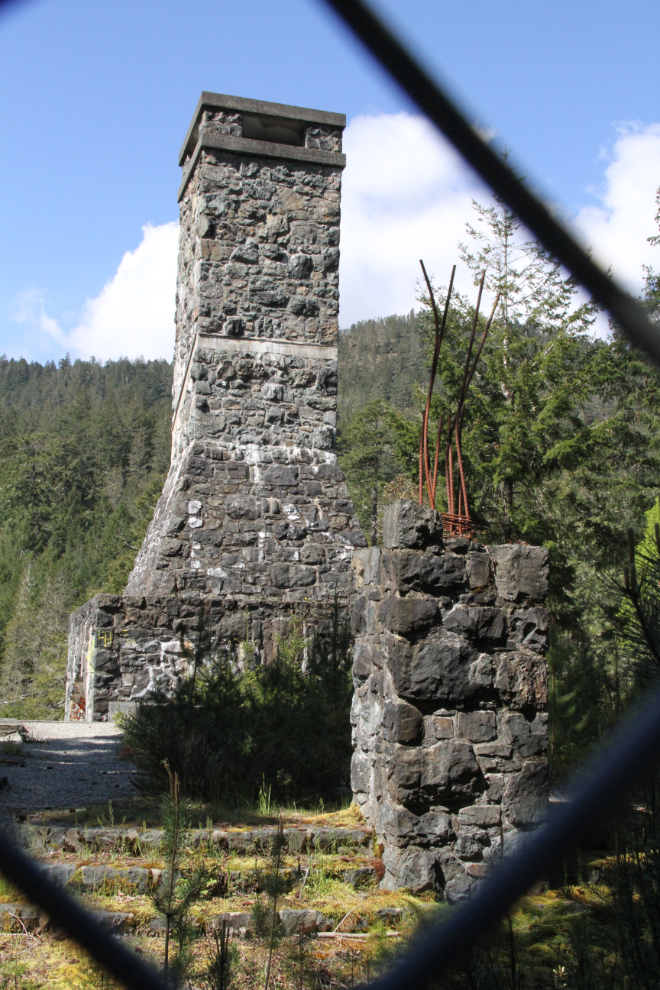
column 221, row 972
column 266, row 922
column 176, row 893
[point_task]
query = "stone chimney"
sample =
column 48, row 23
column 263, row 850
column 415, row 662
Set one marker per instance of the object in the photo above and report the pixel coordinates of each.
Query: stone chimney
column 255, row 520
column 254, row 503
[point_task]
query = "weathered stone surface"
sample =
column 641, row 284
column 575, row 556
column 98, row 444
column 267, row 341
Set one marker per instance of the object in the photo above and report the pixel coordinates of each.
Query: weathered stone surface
column 412, row 868
column 478, row 727
column 405, row 774
column 407, row 616
column 407, row 524
column 403, row 722
column 527, row 738
column 478, row 568
column 476, row 622
column 529, row 628
column 449, row 770
column 440, row 669
column 484, row 816
column 521, row 572
column 430, row 573
column 450, row 736
column 525, row 800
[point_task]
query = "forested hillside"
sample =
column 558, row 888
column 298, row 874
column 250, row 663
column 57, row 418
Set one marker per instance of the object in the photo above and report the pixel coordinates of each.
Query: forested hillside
column 84, row 450
column 380, row 359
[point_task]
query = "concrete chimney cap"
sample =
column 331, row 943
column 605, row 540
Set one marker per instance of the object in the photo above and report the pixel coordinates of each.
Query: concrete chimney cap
column 262, row 108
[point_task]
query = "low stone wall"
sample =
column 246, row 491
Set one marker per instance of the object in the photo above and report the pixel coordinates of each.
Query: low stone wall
column 123, row 649
column 450, row 733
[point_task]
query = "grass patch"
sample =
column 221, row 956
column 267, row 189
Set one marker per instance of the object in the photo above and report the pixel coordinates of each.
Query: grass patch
column 9, row 894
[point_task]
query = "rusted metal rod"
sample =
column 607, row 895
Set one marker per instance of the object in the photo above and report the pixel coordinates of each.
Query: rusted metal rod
column 461, row 405
column 437, row 458
column 461, row 412
column 439, row 334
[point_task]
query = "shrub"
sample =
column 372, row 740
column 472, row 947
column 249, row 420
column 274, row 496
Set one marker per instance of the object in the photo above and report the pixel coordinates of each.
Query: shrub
column 226, row 732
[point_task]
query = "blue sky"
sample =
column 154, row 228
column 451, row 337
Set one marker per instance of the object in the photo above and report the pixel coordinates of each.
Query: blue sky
column 95, row 99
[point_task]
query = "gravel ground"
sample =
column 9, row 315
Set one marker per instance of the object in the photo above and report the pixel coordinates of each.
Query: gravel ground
column 64, row 765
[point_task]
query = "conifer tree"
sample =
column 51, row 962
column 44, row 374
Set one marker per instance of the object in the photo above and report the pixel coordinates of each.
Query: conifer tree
column 175, row 893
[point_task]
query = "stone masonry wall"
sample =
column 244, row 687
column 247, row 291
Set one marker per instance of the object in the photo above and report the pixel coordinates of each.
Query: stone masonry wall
column 128, row 647
column 450, row 690
column 262, row 508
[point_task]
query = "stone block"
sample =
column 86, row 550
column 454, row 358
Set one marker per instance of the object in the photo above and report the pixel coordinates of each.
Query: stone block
column 412, row 869
column 360, row 773
column 303, row 921
column 429, row 573
column 483, row 816
column 409, row 525
column 121, row 708
column 476, row 622
column 407, row 616
column 478, row 569
column 405, row 774
column 525, row 798
column 521, row 572
column 281, row 475
column 403, row 828
column 441, row 669
column 529, row 739
column 458, row 888
column 521, row 680
column 402, row 722
column 449, row 770
column 529, row 627
column 362, row 656
column 470, row 842
column 440, row 727
column 477, row 727
column 366, row 564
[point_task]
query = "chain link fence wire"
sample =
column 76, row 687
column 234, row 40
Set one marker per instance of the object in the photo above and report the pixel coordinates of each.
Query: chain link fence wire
column 632, row 750
column 80, row 925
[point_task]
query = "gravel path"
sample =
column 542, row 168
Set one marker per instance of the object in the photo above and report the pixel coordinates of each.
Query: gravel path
column 64, row 765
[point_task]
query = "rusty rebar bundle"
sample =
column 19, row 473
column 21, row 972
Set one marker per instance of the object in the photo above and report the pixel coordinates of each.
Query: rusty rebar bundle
column 456, row 520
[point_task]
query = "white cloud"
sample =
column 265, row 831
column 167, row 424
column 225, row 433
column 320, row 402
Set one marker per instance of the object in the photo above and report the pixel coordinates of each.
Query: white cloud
column 132, row 316
column 618, row 227
column 134, row 313
column 406, row 195
column 31, row 311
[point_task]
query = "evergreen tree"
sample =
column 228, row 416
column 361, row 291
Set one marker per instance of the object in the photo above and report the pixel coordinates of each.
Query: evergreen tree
column 368, row 459
column 83, row 452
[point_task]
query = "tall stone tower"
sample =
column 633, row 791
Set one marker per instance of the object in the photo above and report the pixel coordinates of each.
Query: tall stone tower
column 254, row 503
column 255, row 518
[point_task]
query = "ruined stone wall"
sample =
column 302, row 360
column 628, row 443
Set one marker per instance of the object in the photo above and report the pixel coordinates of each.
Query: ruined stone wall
column 129, row 647
column 449, row 709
